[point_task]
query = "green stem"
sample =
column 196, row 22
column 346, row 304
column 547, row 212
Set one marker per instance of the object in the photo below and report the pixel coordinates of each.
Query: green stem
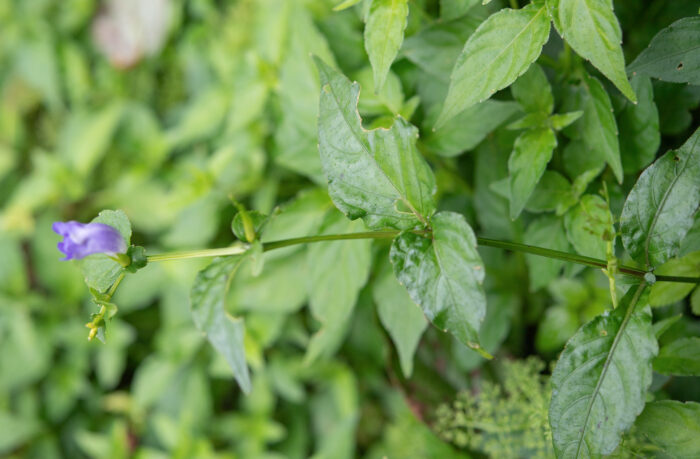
column 512, row 246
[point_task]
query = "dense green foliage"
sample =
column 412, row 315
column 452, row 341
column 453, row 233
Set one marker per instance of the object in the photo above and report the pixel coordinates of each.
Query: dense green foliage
column 376, row 228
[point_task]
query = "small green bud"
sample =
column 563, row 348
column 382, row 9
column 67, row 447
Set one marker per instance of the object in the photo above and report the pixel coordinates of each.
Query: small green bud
column 137, row 256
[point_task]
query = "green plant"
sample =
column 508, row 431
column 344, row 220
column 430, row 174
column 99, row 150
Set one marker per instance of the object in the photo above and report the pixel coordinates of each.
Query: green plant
column 480, row 156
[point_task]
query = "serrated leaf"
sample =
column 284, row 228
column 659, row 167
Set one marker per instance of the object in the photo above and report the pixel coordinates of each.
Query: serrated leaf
column 592, row 30
column 660, row 208
column 547, row 231
column 337, row 272
column 533, row 92
column 383, row 35
column 466, row 130
column 673, row 426
column 672, row 54
column 531, row 153
column 496, row 54
column 589, row 226
column 400, row 316
column 100, row 271
column 224, row 332
column 679, row 358
column 639, row 128
column 377, row 175
column 600, row 381
column 664, row 293
column 598, row 126
column 443, row 274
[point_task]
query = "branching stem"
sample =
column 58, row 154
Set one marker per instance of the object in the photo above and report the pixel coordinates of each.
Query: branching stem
column 240, row 248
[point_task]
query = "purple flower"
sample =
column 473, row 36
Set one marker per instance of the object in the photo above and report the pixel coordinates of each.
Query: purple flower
column 83, row 239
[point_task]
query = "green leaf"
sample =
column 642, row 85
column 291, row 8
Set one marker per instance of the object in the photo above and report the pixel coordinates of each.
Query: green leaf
column 556, row 327
column 663, row 325
column 337, row 272
column 296, row 137
column 443, row 274
column 663, row 293
column 384, row 34
column 673, row 426
column 679, row 358
column 345, row 5
column 552, row 193
column 531, row 153
column 672, row 54
column 400, row 316
column 598, row 126
column 562, row 120
column 16, row 430
column 600, row 381
column 533, row 92
column 659, row 210
column 224, row 332
column 466, row 130
column 378, row 175
column 592, row 30
column 497, row 53
column 589, row 226
column 452, row 9
column 100, row 271
column 435, row 48
column 547, row 231
column 639, row 128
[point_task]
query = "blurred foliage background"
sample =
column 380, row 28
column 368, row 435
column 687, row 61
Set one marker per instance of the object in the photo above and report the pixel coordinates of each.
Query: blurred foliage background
column 167, row 109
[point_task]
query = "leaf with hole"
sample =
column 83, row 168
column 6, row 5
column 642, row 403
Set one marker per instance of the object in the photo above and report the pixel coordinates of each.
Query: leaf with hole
column 672, row 54
column 660, row 208
column 376, row 175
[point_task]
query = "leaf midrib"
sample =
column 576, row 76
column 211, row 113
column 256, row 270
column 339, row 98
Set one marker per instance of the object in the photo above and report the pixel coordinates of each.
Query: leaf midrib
column 420, row 217
column 628, row 315
column 485, row 68
column 661, row 206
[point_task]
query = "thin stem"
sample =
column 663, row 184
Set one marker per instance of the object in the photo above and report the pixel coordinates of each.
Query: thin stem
column 512, row 246
column 224, row 251
column 114, row 286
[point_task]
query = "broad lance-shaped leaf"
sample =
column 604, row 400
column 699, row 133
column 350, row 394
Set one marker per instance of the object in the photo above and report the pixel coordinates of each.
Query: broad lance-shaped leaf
column 376, row 175
column 443, row 274
column 531, row 153
column 673, row 426
column 659, row 210
column 672, row 54
column 383, row 35
column 498, row 52
column 224, row 332
column 599, row 128
column 599, row 384
column 639, row 128
column 400, row 316
column 592, row 30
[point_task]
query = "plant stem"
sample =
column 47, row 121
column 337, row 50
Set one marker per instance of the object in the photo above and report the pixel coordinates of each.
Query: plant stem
column 512, row 246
